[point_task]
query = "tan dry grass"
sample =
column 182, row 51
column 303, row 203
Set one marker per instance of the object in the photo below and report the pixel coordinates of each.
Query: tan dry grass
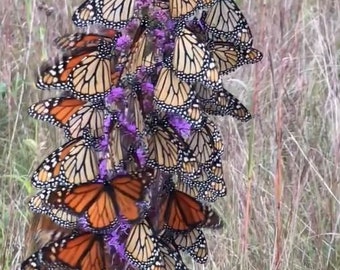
column 282, row 168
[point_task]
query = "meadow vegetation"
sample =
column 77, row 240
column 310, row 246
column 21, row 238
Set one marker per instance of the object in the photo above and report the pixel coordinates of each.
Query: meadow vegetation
column 282, row 168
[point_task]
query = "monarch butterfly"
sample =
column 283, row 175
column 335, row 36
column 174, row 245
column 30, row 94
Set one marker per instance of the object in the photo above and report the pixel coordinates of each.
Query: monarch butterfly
column 75, row 162
column 58, row 215
column 99, row 203
column 170, row 92
column 85, row 251
column 109, row 13
column 86, row 73
column 72, row 42
column 71, row 114
column 193, row 242
column 164, row 145
column 210, row 182
column 169, row 257
column 190, row 165
column 184, row 213
column 142, row 247
column 136, row 110
column 226, row 22
column 193, row 114
column 42, row 231
column 221, row 103
column 184, row 9
column 205, row 141
column 227, row 56
column 142, row 52
column 119, row 148
column 200, row 192
column 192, row 61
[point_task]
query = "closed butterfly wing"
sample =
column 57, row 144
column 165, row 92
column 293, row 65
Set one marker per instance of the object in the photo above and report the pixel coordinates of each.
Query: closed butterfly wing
column 109, row 13
column 71, row 114
column 142, row 248
column 164, row 145
column 171, row 93
column 226, row 22
column 86, row 73
column 205, row 142
column 192, row 60
column 42, row 231
column 58, row 214
column 184, row 213
column 169, row 258
column 75, row 162
column 223, row 103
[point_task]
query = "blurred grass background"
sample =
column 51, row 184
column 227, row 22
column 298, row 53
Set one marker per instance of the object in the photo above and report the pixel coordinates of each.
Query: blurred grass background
column 282, row 168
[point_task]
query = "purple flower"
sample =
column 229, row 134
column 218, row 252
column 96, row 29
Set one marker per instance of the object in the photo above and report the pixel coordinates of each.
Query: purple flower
column 160, row 15
column 141, row 73
column 83, row 223
column 141, row 155
column 114, row 239
column 107, row 124
column 148, row 88
column 170, row 25
column 159, row 34
column 182, row 126
column 160, row 38
column 123, row 43
column 104, row 142
column 132, row 26
column 102, row 169
column 143, row 4
column 115, row 95
column 129, row 127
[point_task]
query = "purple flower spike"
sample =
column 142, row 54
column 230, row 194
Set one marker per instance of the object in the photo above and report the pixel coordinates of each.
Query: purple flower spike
column 131, row 128
column 102, row 169
column 114, row 239
column 143, row 3
column 169, row 47
column 141, row 73
column 115, row 95
column 160, row 38
column 148, row 88
column 141, row 155
column 132, row 26
column 160, row 15
column 182, row 126
column 107, row 124
column 123, row 43
column 170, row 25
column 83, row 224
column 114, row 242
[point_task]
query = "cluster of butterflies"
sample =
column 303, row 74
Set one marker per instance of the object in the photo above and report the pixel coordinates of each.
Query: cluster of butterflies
column 131, row 187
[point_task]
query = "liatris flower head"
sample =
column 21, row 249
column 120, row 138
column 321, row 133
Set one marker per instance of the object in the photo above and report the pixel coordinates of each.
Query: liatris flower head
column 148, row 88
column 159, row 37
column 115, row 95
column 116, row 237
column 141, row 155
column 142, row 4
column 160, row 15
column 129, row 127
column 123, row 43
column 181, row 126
